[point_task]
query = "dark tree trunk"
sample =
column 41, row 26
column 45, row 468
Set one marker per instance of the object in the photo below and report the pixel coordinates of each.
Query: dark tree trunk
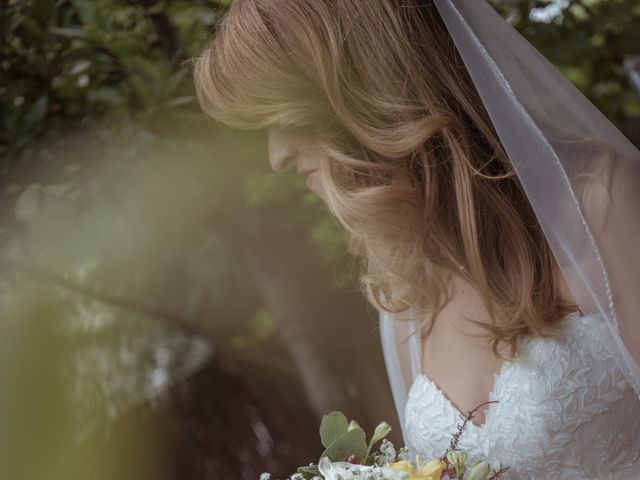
column 331, row 334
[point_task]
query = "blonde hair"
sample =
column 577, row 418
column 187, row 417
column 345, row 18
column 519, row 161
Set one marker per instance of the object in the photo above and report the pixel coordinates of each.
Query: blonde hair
column 409, row 159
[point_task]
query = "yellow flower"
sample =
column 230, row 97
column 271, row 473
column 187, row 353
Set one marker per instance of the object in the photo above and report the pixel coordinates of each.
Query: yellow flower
column 429, row 471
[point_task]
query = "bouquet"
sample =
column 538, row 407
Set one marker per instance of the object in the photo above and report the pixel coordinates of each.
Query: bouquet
column 348, row 456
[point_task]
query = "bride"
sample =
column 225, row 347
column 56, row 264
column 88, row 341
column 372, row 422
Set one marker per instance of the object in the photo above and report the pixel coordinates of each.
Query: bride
column 493, row 207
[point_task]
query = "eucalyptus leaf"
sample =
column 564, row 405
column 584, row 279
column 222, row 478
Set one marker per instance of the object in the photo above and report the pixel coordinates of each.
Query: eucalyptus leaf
column 333, row 426
column 351, row 443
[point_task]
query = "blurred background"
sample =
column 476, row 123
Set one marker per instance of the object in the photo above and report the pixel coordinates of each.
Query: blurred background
column 169, row 308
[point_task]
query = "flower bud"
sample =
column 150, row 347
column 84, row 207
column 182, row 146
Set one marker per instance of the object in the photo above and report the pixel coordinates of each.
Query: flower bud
column 456, row 460
column 479, row 471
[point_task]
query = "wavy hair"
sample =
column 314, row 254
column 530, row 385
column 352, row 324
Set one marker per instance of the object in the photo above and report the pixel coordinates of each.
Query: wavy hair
column 408, row 157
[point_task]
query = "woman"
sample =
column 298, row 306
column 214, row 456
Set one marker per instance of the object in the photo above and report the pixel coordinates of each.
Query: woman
column 376, row 104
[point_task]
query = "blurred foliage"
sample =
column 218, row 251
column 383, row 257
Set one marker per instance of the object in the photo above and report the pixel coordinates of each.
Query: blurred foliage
column 118, row 195
column 588, row 40
column 86, row 80
column 43, row 431
column 77, row 60
column 121, row 61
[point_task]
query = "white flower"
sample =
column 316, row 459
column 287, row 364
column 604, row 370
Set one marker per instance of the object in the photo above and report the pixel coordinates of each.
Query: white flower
column 339, row 470
column 391, row 474
column 388, row 451
column 265, row 476
column 403, row 454
column 348, row 471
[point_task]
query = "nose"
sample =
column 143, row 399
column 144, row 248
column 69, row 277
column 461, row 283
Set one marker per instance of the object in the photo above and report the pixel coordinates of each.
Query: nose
column 282, row 151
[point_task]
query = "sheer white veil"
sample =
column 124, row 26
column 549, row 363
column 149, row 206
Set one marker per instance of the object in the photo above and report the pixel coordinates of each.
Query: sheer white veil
column 580, row 174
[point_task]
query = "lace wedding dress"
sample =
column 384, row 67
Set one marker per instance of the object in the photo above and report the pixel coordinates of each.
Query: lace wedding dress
column 564, row 411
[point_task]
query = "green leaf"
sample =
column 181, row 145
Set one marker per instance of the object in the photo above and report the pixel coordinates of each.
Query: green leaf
column 351, row 443
column 479, row 471
column 333, row 426
column 381, row 431
column 309, row 471
column 68, row 32
column 353, row 424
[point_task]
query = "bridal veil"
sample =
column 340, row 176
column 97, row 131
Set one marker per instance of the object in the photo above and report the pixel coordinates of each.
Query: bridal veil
column 580, row 174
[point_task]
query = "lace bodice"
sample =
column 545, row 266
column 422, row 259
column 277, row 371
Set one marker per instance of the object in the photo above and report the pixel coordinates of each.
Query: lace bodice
column 565, row 411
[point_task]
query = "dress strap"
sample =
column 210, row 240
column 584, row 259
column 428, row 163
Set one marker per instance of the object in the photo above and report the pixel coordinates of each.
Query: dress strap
column 415, row 342
column 401, row 347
